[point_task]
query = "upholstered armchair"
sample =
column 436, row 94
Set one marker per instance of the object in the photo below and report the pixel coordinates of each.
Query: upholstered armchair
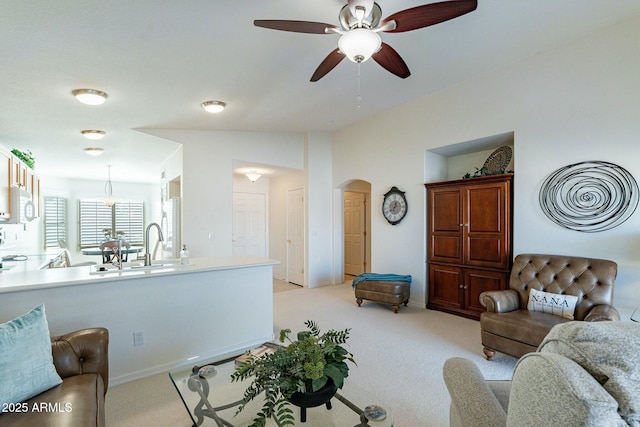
column 545, row 290
column 583, row 374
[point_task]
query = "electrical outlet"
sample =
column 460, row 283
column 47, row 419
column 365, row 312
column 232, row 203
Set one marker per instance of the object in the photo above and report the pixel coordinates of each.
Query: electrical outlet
column 138, row 338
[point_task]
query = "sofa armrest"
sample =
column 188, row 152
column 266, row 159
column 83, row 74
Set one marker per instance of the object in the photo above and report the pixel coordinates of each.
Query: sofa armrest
column 472, row 401
column 82, row 352
column 500, row 301
column 602, row 312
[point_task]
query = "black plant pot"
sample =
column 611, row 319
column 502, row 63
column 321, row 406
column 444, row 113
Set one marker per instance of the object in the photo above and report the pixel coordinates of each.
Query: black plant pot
column 314, row 398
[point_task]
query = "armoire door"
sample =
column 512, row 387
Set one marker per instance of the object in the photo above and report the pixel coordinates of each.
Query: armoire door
column 478, row 281
column 448, row 292
column 445, row 231
column 486, row 217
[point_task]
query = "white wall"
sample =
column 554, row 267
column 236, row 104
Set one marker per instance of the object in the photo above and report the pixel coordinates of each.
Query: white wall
column 207, row 178
column 208, row 184
column 576, row 103
column 319, row 269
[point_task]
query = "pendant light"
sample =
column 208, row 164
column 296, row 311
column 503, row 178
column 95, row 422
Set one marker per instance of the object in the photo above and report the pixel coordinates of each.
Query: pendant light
column 108, row 200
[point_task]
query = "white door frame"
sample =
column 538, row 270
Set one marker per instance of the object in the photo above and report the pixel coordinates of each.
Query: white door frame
column 296, row 244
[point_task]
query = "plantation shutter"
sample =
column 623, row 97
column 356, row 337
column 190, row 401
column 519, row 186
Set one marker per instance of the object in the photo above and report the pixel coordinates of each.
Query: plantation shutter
column 95, row 217
column 126, row 216
column 55, row 221
column 130, row 220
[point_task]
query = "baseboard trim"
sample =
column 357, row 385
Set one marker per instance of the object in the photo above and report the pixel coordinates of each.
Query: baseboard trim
column 214, row 355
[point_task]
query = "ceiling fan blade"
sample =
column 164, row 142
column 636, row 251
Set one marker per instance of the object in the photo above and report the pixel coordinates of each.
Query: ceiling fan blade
column 391, row 61
column 296, row 26
column 429, row 14
column 328, row 64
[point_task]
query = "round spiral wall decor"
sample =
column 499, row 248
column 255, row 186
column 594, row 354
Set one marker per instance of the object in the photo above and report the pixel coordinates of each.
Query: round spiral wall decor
column 589, row 196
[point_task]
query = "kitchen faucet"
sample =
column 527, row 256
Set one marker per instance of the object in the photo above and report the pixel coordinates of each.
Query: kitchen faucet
column 147, row 255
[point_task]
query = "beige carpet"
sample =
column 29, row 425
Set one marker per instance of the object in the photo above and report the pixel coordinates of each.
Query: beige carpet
column 399, row 356
column 282, row 286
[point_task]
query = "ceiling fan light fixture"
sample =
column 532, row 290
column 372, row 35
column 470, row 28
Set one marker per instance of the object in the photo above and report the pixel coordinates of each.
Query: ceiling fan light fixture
column 90, row 96
column 359, row 44
column 93, row 134
column 213, row 106
column 93, row 151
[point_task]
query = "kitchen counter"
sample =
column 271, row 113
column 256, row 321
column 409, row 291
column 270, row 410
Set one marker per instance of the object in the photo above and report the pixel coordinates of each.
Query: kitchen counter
column 216, row 307
column 31, row 279
column 32, row 263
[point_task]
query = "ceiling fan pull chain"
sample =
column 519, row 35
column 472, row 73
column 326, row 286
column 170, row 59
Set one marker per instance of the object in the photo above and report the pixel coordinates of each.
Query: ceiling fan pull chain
column 359, row 98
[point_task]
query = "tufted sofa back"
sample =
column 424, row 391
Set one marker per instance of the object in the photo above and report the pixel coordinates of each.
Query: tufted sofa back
column 591, row 280
column 82, row 352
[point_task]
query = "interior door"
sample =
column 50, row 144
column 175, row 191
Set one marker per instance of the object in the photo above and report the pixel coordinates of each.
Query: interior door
column 354, row 233
column 295, row 236
column 249, row 224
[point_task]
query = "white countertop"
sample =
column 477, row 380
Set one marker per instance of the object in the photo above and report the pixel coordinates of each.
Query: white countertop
column 71, row 276
column 33, row 262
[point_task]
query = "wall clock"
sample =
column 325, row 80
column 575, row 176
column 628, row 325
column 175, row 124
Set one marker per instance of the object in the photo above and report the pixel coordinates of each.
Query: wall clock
column 394, row 206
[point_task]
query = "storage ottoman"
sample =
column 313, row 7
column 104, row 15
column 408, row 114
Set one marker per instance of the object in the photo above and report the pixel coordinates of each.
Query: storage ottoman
column 386, row 292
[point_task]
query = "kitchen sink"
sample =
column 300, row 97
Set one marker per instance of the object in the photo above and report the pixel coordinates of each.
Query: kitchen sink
column 136, row 266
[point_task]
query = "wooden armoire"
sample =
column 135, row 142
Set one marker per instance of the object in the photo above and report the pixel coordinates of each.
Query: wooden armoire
column 469, row 241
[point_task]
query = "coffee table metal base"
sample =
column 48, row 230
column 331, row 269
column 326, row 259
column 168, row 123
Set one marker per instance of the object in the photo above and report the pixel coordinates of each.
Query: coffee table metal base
column 200, row 387
column 205, row 409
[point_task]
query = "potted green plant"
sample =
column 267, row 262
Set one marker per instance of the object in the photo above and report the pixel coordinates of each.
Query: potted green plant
column 25, row 156
column 315, row 363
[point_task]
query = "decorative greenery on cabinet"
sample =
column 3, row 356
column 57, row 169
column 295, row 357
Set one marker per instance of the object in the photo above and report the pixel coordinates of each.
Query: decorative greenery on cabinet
column 25, row 156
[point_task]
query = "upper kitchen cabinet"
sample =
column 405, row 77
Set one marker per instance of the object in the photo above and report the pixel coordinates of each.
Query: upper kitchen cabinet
column 33, row 187
column 18, row 173
column 5, row 183
column 16, row 181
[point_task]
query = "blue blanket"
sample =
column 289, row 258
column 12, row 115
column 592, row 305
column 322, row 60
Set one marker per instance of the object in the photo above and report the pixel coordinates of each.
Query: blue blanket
column 381, row 277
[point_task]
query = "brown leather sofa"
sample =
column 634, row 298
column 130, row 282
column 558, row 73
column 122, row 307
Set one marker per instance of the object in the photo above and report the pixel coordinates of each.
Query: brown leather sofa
column 508, row 327
column 81, row 359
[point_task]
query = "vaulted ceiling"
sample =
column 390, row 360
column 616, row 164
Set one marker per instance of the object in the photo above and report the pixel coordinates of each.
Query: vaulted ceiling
column 158, row 60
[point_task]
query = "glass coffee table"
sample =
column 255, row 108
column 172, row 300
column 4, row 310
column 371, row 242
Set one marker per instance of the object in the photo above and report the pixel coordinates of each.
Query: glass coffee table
column 211, row 399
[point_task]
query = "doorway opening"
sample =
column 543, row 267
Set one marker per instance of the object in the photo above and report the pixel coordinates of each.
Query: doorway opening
column 356, row 228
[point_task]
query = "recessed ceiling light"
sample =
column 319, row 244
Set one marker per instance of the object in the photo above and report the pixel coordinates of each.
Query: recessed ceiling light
column 94, row 151
column 90, row 96
column 93, row 135
column 213, row 106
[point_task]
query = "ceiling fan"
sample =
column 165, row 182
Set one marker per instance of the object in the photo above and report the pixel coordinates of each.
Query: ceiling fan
column 360, row 23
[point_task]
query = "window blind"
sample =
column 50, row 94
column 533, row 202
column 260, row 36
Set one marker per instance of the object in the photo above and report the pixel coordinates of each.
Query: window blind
column 55, row 221
column 125, row 216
